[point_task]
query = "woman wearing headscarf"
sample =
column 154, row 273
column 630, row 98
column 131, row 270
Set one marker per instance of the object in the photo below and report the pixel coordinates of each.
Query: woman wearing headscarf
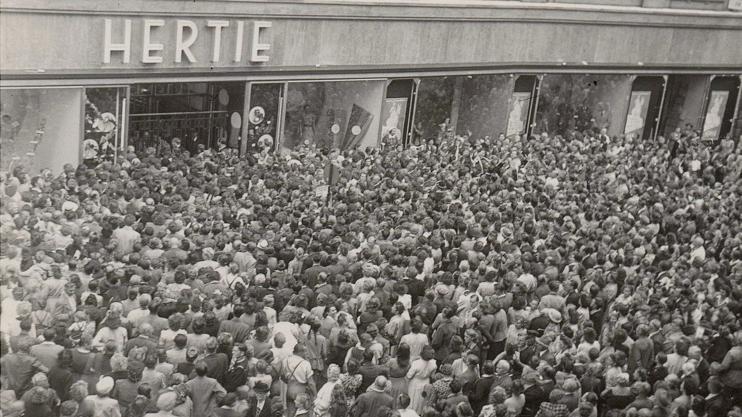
column 101, row 404
column 323, row 401
column 165, row 404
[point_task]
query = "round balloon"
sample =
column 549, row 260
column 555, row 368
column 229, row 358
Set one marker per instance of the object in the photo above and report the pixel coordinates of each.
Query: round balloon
column 235, row 120
column 223, row 97
column 356, row 130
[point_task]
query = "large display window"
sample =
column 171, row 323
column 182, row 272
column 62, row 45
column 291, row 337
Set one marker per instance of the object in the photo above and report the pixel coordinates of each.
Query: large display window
column 684, row 102
column 720, row 107
column 580, row 102
column 200, row 115
column 333, row 114
column 484, row 105
column 264, row 116
column 435, row 97
column 104, row 124
column 41, row 128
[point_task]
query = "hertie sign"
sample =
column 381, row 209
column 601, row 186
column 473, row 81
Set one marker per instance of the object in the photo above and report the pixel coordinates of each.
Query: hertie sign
column 189, row 36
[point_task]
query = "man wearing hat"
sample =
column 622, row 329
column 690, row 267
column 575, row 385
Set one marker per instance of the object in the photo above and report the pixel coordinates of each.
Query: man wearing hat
column 260, row 405
column 372, row 402
column 533, row 393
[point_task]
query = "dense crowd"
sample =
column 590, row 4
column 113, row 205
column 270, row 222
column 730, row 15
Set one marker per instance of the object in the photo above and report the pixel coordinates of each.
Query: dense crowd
column 578, row 276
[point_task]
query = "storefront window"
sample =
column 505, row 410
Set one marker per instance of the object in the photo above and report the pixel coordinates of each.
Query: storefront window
column 484, row 105
column 41, row 128
column 579, row 102
column 200, row 115
column 104, row 114
column 338, row 114
column 684, row 103
column 433, row 108
column 720, row 107
column 264, row 116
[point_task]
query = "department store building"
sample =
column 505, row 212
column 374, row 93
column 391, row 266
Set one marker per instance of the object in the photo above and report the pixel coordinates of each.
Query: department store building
column 346, row 73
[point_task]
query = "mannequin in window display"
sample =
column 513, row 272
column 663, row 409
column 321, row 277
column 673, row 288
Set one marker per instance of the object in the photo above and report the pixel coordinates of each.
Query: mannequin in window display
column 90, row 150
column 106, row 148
column 308, row 125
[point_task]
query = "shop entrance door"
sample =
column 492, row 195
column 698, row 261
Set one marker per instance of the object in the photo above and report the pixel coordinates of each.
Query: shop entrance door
column 396, row 111
column 523, row 106
column 264, row 116
column 104, row 124
column 645, row 106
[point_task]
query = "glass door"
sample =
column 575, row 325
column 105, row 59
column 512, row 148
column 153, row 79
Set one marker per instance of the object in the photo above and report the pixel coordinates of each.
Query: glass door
column 264, row 117
column 104, row 124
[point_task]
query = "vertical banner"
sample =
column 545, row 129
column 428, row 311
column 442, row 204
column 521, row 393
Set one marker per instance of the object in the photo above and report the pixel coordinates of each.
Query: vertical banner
column 393, row 115
column 358, row 124
column 714, row 115
column 518, row 113
column 636, row 119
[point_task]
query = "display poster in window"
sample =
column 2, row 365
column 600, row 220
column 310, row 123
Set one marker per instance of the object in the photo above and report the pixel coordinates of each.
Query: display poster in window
column 393, row 113
column 518, row 113
column 714, row 115
column 637, row 117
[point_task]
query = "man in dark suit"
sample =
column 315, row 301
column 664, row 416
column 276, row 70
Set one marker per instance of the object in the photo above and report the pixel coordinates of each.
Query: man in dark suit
column 235, row 326
column 716, row 404
column 533, row 393
column 481, row 388
column 368, row 369
column 260, row 404
column 217, row 362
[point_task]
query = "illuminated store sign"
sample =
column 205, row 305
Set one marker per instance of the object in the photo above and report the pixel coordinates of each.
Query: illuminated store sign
column 152, row 48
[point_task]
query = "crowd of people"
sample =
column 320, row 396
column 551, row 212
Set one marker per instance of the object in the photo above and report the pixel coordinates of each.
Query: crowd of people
column 579, row 276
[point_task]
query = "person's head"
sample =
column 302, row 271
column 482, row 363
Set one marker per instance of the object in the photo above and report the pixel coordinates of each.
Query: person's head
column 455, row 386
column 201, row 369
column 279, row 340
column 585, row 409
column 180, row 341
column 333, row 372
column 78, row 391
column 302, row 401
column 261, row 390
column 427, row 353
column 49, row 335
column 146, row 329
